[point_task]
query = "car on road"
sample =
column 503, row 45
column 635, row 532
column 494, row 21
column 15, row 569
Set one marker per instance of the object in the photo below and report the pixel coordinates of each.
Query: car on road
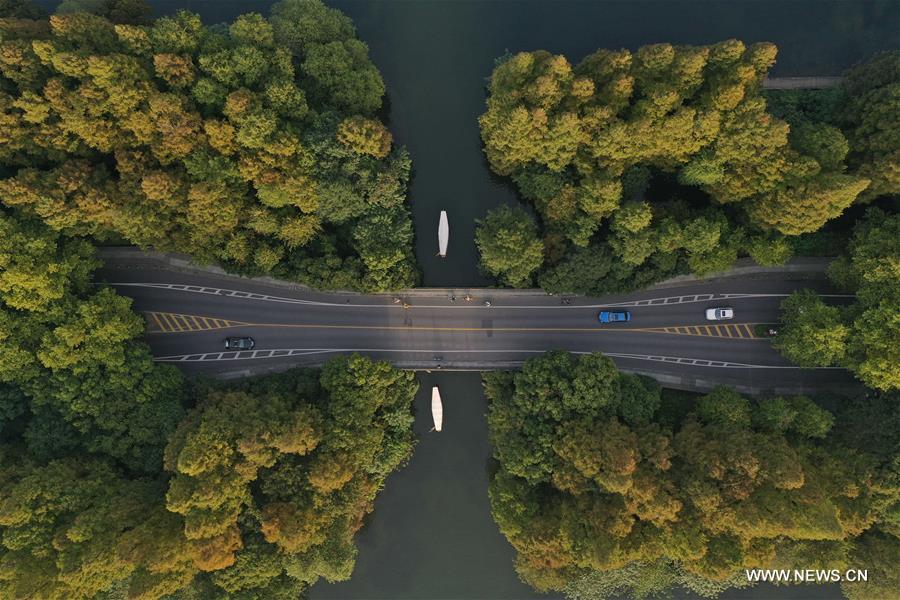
column 721, row 313
column 614, row 316
column 239, row 343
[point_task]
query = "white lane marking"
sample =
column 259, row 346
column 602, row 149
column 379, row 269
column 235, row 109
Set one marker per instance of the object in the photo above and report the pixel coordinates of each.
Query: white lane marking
column 212, row 291
column 689, row 299
column 283, row 352
column 664, row 301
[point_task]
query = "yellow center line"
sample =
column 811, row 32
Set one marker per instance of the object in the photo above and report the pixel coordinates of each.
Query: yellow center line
column 472, row 329
column 168, row 324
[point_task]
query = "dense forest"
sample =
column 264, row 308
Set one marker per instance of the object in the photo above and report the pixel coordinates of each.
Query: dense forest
column 256, row 144
column 864, row 335
column 668, row 160
column 607, row 485
column 119, row 478
column 251, row 490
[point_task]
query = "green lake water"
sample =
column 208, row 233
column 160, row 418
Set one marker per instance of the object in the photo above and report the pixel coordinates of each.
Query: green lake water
column 431, row 535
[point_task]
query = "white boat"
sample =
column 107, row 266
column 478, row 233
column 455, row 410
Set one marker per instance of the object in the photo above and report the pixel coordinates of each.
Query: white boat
column 443, row 234
column 437, row 409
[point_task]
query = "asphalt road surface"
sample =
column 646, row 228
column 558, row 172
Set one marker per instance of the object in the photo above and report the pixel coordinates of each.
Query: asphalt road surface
column 189, row 315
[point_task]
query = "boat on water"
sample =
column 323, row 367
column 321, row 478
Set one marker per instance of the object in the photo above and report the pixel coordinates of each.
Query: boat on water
column 437, row 409
column 443, row 234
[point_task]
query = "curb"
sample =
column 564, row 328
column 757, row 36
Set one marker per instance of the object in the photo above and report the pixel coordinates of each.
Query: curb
column 744, row 267
column 678, row 382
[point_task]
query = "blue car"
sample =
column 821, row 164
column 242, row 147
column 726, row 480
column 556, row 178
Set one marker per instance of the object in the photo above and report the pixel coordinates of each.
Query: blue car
column 614, row 316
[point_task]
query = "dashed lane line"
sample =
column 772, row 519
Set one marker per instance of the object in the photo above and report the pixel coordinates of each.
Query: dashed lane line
column 176, row 323
column 459, row 304
column 692, row 298
column 288, row 352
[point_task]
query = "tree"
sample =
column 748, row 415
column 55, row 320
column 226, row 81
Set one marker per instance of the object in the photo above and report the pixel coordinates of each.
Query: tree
column 825, row 143
column 21, row 9
column 798, row 414
column 874, row 270
column 38, row 267
column 13, row 404
column 769, row 250
column 872, row 348
column 343, row 76
column 724, row 407
column 807, row 208
column 62, row 522
column 130, row 12
column 599, row 499
column 299, row 24
column 862, row 337
column 218, row 451
column 874, row 550
column 576, row 140
column 365, row 136
column 71, row 349
column 579, row 273
column 303, row 455
column 509, row 245
column 270, row 480
column 869, row 118
column 173, row 134
column 812, row 334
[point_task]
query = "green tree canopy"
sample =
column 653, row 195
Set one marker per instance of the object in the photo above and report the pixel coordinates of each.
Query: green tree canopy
column 129, row 12
column 865, row 335
column 599, row 498
column 73, row 348
column 510, row 248
column 870, row 116
column 243, row 145
column 579, row 140
column 813, row 333
column 62, row 524
column 267, row 482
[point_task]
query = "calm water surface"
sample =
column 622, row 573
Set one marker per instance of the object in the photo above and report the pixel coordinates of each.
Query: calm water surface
column 431, row 535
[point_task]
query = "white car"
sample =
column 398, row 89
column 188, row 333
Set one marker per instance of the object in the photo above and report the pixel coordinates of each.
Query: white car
column 722, row 313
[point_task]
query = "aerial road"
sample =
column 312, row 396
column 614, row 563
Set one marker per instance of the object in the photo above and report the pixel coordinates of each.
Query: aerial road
column 190, row 314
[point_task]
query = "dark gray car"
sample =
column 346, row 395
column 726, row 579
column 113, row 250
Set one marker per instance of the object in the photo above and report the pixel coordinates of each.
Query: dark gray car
column 239, row 343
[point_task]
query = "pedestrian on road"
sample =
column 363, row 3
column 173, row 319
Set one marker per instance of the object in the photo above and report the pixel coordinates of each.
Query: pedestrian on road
column 396, row 300
column 487, row 303
column 406, row 305
column 452, row 298
column 468, row 298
